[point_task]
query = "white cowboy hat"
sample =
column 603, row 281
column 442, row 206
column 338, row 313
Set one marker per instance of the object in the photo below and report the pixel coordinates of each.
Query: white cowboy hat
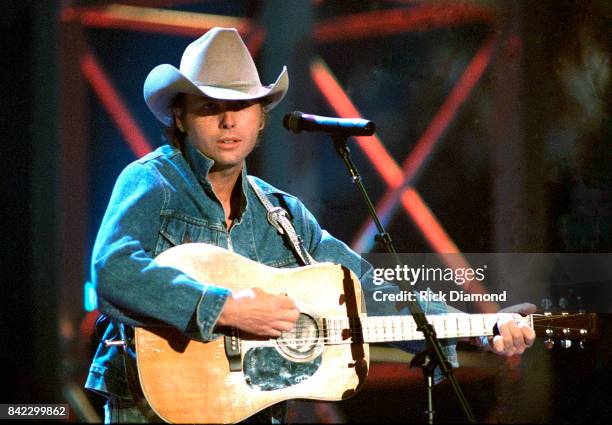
column 217, row 65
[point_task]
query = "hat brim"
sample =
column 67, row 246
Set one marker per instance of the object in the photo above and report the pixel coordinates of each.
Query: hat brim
column 165, row 81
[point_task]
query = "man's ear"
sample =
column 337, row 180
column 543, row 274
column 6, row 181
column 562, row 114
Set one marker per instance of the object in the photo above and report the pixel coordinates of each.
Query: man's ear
column 178, row 112
column 264, row 119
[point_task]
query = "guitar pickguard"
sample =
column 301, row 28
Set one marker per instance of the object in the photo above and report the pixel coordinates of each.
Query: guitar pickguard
column 266, row 370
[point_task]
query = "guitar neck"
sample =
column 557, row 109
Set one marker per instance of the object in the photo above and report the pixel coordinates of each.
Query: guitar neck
column 403, row 328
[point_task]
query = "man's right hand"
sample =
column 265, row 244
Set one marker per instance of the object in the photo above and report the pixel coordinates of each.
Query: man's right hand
column 259, row 312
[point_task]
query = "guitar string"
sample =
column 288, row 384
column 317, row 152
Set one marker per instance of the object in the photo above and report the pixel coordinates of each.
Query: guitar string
column 374, row 327
column 343, row 335
column 345, row 340
column 385, row 320
column 353, row 320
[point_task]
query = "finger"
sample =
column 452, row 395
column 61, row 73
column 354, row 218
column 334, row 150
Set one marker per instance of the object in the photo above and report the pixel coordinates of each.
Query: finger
column 288, row 315
column 528, row 334
column 291, row 314
column 275, row 333
column 507, row 337
column 523, row 308
column 294, row 315
column 498, row 344
column 528, row 308
column 507, row 342
column 518, row 338
column 283, row 326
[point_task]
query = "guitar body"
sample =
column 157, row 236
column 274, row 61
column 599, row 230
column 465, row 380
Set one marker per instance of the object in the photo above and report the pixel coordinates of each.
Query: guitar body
column 187, row 381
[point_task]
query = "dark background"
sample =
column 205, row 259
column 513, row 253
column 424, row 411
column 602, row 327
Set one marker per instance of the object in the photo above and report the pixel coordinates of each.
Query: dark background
column 524, row 167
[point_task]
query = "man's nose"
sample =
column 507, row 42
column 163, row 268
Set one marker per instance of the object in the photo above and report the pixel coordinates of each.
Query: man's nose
column 228, row 119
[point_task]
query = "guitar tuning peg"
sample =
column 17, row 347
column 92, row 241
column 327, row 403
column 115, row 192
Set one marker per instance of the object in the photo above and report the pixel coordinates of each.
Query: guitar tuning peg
column 549, row 343
column 566, row 343
column 582, row 344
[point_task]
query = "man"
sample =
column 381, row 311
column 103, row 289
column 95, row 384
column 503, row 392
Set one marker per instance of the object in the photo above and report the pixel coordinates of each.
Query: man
column 197, row 190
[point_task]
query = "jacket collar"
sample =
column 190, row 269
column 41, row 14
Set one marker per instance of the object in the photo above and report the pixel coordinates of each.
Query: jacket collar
column 200, row 164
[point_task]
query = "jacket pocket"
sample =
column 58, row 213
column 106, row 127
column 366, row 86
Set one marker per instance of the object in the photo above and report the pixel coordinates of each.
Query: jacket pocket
column 283, row 263
column 177, row 229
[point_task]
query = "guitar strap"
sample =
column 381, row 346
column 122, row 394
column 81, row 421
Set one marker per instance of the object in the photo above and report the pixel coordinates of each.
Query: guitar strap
column 279, row 218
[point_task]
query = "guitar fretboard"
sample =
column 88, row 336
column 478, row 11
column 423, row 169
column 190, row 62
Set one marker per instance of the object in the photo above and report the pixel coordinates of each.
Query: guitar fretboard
column 371, row 329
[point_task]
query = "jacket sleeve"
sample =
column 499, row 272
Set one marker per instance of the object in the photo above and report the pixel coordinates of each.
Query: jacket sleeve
column 130, row 285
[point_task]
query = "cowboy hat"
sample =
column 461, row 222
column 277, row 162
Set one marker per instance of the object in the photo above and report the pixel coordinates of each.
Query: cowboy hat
column 217, row 65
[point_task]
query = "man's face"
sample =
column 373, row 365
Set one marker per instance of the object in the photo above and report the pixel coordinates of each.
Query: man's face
column 225, row 131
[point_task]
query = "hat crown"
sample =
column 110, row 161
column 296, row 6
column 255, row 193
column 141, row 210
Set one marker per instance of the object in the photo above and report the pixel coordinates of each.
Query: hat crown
column 220, row 59
column 217, row 65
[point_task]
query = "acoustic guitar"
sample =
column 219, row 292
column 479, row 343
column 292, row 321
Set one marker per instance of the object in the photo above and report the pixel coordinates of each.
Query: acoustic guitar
column 325, row 356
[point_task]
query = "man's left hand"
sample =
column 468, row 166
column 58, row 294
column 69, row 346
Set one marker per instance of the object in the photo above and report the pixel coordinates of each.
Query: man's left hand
column 514, row 337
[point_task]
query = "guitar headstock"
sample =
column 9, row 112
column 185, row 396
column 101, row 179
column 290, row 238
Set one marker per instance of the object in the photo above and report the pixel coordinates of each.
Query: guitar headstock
column 567, row 327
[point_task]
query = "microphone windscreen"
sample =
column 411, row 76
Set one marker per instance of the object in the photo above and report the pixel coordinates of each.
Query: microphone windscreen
column 292, row 121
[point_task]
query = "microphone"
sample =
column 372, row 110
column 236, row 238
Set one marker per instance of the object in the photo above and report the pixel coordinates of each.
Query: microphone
column 298, row 121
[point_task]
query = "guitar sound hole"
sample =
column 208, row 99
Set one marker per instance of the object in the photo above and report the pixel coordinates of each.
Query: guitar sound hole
column 301, row 341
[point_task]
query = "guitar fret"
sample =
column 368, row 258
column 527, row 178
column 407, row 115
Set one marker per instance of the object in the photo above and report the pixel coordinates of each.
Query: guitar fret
column 438, row 324
column 446, row 328
column 451, row 325
column 406, row 331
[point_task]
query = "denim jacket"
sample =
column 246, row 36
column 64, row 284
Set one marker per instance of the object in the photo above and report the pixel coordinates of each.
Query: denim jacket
column 164, row 199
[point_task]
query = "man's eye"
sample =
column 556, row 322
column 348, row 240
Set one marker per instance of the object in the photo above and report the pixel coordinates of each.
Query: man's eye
column 209, row 106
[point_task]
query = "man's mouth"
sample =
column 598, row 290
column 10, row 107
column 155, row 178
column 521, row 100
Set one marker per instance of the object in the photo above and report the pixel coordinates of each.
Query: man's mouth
column 228, row 141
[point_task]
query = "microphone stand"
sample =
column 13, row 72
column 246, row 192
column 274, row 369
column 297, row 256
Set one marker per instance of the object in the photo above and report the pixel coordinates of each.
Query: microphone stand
column 432, row 356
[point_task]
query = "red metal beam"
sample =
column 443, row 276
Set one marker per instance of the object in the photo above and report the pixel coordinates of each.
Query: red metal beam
column 173, row 22
column 396, row 21
column 161, row 3
column 254, row 39
column 114, row 105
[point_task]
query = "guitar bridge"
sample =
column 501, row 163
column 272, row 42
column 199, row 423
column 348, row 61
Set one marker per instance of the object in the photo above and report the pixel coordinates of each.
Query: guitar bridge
column 232, row 351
